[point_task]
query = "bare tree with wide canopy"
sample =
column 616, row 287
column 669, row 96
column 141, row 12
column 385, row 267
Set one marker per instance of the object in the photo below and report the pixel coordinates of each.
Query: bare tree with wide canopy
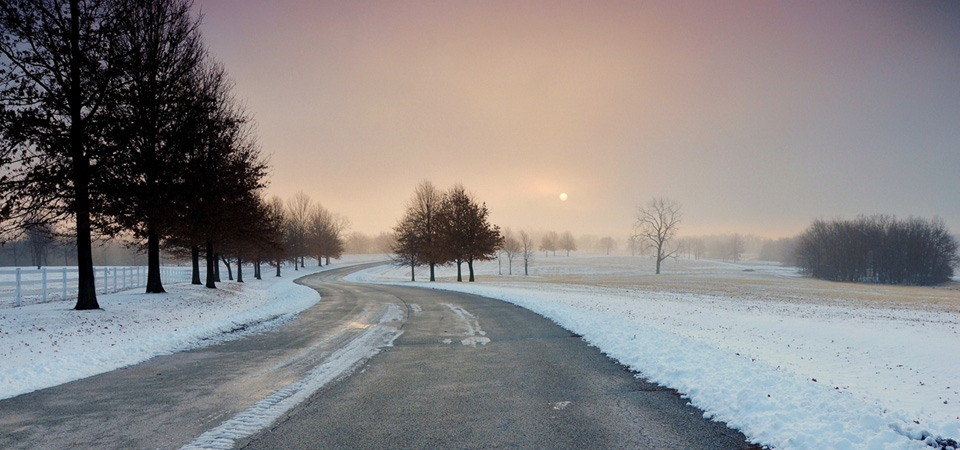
column 657, row 223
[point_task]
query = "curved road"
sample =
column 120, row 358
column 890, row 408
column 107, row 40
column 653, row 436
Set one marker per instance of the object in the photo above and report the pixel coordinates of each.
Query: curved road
column 465, row 372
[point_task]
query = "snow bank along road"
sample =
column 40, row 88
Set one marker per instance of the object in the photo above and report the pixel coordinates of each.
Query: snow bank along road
column 207, row 397
column 464, row 372
column 472, row 372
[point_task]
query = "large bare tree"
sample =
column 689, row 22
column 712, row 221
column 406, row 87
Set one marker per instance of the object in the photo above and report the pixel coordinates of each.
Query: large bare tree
column 418, row 233
column 657, row 223
column 567, row 242
column 511, row 246
column 56, row 81
column 526, row 245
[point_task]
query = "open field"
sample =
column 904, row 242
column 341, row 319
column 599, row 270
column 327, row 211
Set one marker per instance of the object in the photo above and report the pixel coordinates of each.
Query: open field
column 791, row 361
column 753, row 280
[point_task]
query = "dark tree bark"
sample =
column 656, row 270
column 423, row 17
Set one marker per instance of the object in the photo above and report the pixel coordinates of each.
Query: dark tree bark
column 154, row 284
column 211, row 267
column 226, row 262
column 195, row 259
column 239, row 270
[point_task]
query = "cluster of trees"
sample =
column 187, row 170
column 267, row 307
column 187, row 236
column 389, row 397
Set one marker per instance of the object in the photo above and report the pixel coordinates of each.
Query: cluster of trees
column 440, row 228
column 358, row 243
column 309, row 229
column 879, row 249
column 518, row 245
column 115, row 119
column 551, row 242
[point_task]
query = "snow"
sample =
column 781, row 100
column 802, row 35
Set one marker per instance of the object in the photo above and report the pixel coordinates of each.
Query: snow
column 269, row 409
column 44, row 345
column 794, row 363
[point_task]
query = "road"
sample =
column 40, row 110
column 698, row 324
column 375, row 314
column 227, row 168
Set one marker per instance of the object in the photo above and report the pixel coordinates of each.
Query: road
column 465, row 372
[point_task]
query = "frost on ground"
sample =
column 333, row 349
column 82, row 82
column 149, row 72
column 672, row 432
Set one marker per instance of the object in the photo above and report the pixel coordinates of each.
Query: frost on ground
column 792, row 362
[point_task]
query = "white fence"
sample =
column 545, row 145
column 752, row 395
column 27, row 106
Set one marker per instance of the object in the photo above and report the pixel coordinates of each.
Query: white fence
column 20, row 286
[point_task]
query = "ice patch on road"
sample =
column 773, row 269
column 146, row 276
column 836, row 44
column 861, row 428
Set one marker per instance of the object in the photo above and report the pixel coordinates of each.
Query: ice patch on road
column 475, row 335
column 268, row 410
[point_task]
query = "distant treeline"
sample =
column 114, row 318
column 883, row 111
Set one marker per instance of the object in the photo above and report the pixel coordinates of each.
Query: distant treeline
column 879, row 249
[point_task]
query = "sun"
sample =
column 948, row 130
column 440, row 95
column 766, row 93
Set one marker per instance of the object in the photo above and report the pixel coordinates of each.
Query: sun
column 563, row 196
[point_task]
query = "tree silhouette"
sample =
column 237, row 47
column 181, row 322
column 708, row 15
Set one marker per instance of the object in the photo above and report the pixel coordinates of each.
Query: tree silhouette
column 57, row 72
column 656, row 225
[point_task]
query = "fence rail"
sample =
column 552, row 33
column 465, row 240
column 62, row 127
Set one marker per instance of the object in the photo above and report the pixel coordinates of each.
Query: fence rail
column 19, row 286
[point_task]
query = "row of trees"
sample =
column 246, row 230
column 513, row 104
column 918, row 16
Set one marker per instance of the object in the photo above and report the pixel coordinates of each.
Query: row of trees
column 115, row 119
column 312, row 230
column 440, row 228
column 520, row 245
column 878, row 248
column 551, row 242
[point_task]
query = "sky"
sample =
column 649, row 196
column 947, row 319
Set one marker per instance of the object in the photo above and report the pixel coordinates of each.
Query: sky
column 756, row 117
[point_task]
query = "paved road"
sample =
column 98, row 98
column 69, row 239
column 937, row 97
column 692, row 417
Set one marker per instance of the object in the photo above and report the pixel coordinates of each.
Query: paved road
column 471, row 372
column 168, row 401
column 467, row 372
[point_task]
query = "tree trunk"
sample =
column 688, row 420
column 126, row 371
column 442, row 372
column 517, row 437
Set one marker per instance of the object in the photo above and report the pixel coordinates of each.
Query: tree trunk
column 211, row 263
column 86, row 283
column 229, row 270
column 659, row 256
column 216, row 267
column 154, row 283
column 470, row 268
column 413, row 272
column 432, row 277
column 319, row 261
column 256, row 269
column 278, row 267
column 195, row 257
column 459, row 276
column 239, row 269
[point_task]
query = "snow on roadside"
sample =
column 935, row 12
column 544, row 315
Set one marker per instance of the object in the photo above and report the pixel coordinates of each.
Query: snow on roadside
column 48, row 344
column 789, row 375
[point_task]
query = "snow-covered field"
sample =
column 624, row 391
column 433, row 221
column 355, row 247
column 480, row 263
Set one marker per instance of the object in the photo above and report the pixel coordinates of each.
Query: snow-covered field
column 794, row 363
column 43, row 345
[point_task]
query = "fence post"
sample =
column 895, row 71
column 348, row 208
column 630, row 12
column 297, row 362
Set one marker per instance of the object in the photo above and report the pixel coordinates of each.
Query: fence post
column 18, row 287
column 43, row 276
column 114, row 279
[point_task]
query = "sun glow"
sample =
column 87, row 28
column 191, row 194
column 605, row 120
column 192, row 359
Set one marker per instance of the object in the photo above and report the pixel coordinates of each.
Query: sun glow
column 563, row 196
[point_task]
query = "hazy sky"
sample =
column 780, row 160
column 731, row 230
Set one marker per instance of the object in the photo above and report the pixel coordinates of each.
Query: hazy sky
column 757, row 117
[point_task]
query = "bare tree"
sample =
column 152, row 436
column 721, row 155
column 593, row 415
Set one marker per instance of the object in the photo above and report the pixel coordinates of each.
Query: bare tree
column 567, row 242
column 526, row 245
column 160, row 52
column 512, row 247
column 548, row 243
column 417, row 236
column 466, row 234
column 607, row 244
column 56, row 81
column 39, row 240
column 736, row 247
column 656, row 225
column 298, row 223
column 325, row 233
